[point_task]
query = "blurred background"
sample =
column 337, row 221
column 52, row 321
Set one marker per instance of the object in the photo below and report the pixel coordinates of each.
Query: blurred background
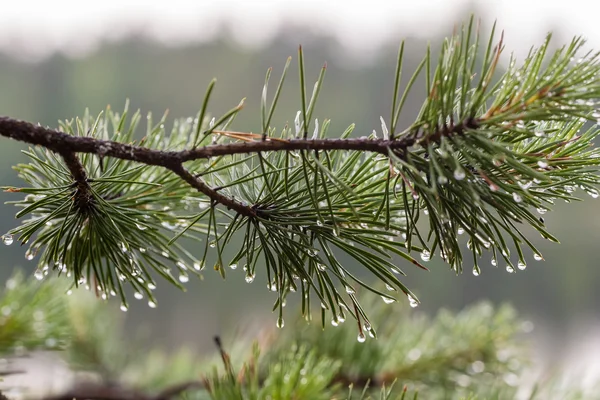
column 57, row 58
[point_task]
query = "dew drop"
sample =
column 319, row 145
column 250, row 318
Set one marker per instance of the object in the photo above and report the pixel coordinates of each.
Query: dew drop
column 537, row 257
column 319, row 222
column 249, row 278
column 7, row 239
column 538, row 133
column 39, row 274
column 425, row 255
column 334, row 321
column 494, row 262
column 442, row 180
column 517, row 198
column 593, row 193
column 280, row 322
column 151, row 304
column 141, row 227
column 233, row 266
column 138, row 295
column 415, row 196
column 124, row 307
column 542, row 210
column 476, row 271
column 510, row 269
column 350, row 290
column 321, row 267
column 142, row 250
column 388, row 300
column 183, row 278
column 29, row 255
column 542, row 164
column 460, row 231
column 198, row 267
column 459, row 174
column 69, row 292
column 390, row 288
column 521, row 265
column 361, row 337
column 212, row 244
column 525, row 185
column 412, row 301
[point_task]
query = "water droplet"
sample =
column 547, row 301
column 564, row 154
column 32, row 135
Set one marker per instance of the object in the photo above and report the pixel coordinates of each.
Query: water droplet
column 525, row 185
column 510, row 269
column 350, row 290
column 280, row 322
column 425, row 255
column 249, row 278
column 165, row 254
column 69, row 292
column 442, row 180
column 123, row 247
column 412, row 301
column 319, row 222
column 542, row 210
column 334, row 321
column 141, row 227
column 390, row 288
column 396, row 271
column 593, row 193
column 124, row 307
column 212, row 244
column 494, row 262
column 517, row 198
column 7, row 239
column 233, row 266
column 521, row 265
column 476, row 271
column 29, row 255
column 39, row 274
column 183, row 278
column 142, row 250
column 415, row 196
column 361, row 337
column 198, row 267
column 151, row 304
column 542, row 164
column 538, row 133
column 537, row 257
column 388, row 300
column 138, row 295
column 321, row 267
column 459, row 174
column 460, row 231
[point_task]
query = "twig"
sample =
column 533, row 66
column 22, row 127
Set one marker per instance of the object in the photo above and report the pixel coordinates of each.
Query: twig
column 68, row 145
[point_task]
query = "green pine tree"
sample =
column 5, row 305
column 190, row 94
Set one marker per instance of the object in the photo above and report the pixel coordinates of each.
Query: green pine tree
column 487, row 154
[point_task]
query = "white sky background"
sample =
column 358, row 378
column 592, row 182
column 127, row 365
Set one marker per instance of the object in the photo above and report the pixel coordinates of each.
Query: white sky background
column 40, row 27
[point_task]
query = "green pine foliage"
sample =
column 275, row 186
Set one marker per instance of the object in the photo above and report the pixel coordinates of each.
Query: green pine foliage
column 485, row 152
column 488, row 153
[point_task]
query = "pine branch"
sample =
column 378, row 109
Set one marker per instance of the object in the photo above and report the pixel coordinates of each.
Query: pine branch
column 484, row 152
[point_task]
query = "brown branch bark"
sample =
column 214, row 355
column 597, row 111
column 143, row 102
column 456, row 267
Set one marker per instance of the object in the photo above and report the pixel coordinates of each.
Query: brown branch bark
column 68, row 145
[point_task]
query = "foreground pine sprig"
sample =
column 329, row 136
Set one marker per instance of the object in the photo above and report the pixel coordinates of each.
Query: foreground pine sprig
column 486, row 152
